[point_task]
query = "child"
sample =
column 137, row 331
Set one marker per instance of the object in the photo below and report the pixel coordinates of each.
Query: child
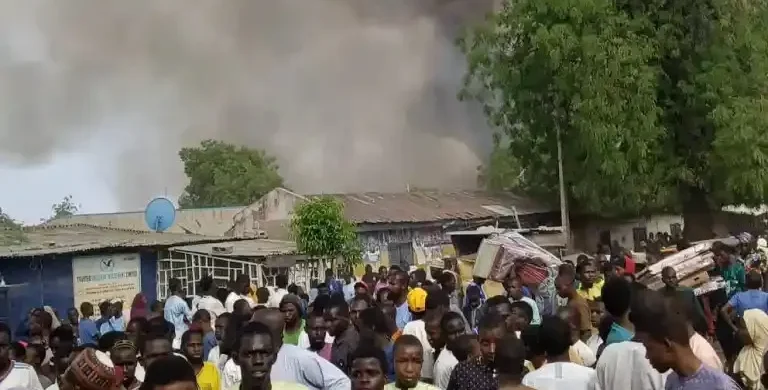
column 35, row 354
column 408, row 360
column 597, row 311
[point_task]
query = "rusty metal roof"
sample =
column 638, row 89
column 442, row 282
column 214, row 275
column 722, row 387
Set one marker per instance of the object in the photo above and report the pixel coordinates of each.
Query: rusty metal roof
column 245, row 248
column 434, row 206
column 51, row 240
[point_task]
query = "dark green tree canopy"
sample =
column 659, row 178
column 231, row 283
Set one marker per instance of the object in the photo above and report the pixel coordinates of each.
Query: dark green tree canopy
column 221, row 174
column 660, row 104
column 321, row 231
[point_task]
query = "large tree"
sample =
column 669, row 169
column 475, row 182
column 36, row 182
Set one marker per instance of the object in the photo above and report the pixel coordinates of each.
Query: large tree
column 221, row 174
column 659, row 103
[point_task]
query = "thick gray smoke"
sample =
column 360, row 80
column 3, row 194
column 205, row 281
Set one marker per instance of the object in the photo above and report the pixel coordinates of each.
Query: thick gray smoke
column 350, row 95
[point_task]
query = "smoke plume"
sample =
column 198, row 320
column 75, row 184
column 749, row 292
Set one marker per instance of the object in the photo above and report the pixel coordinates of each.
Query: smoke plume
column 349, row 95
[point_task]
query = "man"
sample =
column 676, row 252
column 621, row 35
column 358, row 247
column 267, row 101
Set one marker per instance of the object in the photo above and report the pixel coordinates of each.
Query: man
column 202, row 319
column 369, row 368
column 479, row 373
column 34, row 356
column 241, row 290
column 663, row 330
column 17, row 375
column 115, row 321
column 687, row 297
column 219, row 331
column 357, row 305
column 731, row 270
column 417, row 304
column 208, row 301
column 451, row 327
column 617, row 293
column 398, row 293
column 176, row 311
column 408, row 354
column 346, row 338
column 579, row 352
column 155, row 346
column 558, row 372
column 281, row 281
column 298, row 365
column 290, row 306
column 514, row 289
column 752, row 298
column 87, row 331
column 590, row 287
column 316, row 333
column 511, row 358
column 256, row 352
column 361, row 290
column 206, row 372
column 447, row 282
column 564, row 284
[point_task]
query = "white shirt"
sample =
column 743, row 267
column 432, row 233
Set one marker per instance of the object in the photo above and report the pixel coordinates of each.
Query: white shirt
column 212, row 305
column 233, row 297
column 54, row 386
column 418, row 329
column 624, row 366
column 594, row 342
column 276, row 297
column 585, row 353
column 304, row 340
column 22, row 376
column 444, row 367
column 140, row 373
column 561, row 376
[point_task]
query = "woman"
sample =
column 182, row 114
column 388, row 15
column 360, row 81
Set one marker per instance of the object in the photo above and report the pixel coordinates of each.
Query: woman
column 753, row 332
column 139, row 307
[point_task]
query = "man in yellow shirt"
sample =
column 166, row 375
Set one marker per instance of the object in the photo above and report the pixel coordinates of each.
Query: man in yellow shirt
column 590, row 286
column 192, row 348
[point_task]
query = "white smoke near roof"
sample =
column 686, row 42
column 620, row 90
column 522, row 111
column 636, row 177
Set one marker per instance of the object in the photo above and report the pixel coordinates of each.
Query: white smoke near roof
column 350, row 95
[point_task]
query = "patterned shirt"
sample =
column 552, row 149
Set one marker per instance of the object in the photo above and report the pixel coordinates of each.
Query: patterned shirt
column 704, row 379
column 472, row 374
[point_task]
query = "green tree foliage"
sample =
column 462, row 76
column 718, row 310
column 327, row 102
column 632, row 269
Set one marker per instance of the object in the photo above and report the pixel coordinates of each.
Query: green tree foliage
column 66, row 208
column 660, row 103
column 221, row 174
column 502, row 172
column 11, row 232
column 321, row 231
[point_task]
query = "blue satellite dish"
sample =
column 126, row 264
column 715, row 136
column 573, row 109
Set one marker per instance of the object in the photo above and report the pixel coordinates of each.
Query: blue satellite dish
column 160, row 214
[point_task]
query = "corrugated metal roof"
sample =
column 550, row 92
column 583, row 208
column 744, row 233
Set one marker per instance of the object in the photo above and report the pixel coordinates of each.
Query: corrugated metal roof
column 247, row 248
column 432, row 206
column 49, row 240
column 207, row 221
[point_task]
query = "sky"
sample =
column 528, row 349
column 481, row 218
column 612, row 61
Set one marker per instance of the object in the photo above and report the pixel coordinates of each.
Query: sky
column 30, row 191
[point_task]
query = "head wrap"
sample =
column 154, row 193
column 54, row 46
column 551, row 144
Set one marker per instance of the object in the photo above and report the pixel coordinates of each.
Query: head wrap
column 139, row 307
column 93, row 370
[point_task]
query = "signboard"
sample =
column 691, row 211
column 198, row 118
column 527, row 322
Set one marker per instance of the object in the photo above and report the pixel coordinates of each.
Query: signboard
column 104, row 277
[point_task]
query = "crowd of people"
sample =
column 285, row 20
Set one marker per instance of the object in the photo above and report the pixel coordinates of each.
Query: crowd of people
column 398, row 330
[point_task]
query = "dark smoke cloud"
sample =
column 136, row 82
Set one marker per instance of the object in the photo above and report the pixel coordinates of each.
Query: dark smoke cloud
column 350, row 95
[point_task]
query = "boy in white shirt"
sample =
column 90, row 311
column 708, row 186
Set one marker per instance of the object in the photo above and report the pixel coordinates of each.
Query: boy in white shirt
column 14, row 375
column 558, row 373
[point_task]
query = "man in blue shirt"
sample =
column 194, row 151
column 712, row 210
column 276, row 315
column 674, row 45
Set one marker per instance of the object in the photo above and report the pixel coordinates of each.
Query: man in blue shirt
column 753, row 298
column 398, row 293
column 87, row 331
column 177, row 311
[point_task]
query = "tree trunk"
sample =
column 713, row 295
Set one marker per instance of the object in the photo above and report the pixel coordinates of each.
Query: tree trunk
column 698, row 220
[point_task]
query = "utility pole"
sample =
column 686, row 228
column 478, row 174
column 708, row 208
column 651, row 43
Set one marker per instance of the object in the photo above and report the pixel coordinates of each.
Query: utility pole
column 564, row 221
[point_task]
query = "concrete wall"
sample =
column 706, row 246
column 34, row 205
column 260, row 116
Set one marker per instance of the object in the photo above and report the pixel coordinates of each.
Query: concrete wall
column 586, row 233
column 277, row 205
column 49, row 283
